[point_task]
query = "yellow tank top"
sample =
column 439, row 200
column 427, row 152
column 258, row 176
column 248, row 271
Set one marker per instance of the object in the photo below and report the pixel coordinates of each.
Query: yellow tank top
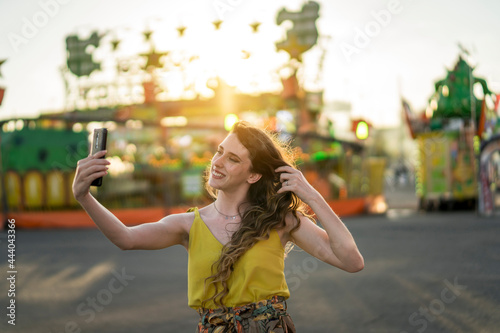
column 257, row 275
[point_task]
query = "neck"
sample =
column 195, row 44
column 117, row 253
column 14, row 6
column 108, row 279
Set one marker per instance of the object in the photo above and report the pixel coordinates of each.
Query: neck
column 229, row 204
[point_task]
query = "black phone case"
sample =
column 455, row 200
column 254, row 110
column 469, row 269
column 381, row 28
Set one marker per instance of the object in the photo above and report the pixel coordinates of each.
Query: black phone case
column 98, row 144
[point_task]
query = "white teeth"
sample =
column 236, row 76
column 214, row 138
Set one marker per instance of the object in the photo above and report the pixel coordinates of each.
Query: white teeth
column 217, row 174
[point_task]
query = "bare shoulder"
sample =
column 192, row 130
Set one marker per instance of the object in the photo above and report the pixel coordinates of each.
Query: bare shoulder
column 292, row 222
column 180, row 220
column 291, row 225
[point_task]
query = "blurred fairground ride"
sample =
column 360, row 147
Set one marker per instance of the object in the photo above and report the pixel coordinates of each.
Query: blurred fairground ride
column 458, row 138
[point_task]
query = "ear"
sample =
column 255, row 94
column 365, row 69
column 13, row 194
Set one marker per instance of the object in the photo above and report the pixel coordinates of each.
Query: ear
column 253, row 178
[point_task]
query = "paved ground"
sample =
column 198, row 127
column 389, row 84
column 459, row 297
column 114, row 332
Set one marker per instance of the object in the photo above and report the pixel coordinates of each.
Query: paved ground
column 436, row 272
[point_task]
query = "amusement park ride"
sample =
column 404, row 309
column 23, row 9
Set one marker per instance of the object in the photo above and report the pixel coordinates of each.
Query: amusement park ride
column 459, row 142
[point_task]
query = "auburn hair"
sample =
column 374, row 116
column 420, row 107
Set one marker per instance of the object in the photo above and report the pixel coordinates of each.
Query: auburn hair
column 265, row 209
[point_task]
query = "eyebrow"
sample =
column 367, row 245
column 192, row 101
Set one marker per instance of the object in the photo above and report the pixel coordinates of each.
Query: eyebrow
column 230, row 153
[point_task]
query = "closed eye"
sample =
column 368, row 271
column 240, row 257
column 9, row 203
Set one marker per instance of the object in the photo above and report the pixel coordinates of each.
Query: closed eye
column 232, row 157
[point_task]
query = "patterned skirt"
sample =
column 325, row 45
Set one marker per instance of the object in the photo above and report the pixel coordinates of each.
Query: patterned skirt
column 266, row 316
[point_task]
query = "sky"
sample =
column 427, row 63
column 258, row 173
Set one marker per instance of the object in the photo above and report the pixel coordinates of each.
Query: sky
column 376, row 51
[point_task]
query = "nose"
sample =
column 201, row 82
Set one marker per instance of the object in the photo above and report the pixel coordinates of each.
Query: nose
column 217, row 161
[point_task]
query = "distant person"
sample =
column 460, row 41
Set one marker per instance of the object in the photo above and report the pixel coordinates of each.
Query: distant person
column 236, row 245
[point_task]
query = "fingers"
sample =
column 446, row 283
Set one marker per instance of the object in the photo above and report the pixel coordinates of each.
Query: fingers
column 96, row 175
column 291, row 180
column 288, row 177
column 96, row 158
column 285, row 172
column 87, row 175
column 288, row 182
column 92, row 167
column 89, row 169
column 285, row 168
column 99, row 154
column 85, row 165
column 96, row 168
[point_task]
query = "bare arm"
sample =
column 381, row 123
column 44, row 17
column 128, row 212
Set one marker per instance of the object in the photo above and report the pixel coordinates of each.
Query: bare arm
column 334, row 244
column 169, row 231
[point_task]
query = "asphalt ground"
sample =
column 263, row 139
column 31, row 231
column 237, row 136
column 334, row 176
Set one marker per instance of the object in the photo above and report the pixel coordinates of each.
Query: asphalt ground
column 434, row 272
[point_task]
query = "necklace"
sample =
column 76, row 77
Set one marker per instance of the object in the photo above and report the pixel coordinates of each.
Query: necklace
column 227, row 217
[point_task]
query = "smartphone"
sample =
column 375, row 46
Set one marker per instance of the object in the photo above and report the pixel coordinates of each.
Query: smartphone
column 98, row 144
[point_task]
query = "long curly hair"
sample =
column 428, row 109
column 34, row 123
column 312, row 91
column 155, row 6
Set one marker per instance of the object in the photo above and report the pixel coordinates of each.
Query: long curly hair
column 265, row 209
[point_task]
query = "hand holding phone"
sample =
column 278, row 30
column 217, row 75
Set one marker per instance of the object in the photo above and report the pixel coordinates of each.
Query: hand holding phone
column 98, row 144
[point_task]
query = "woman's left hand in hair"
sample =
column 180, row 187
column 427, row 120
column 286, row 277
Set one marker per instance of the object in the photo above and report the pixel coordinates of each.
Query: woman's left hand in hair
column 292, row 180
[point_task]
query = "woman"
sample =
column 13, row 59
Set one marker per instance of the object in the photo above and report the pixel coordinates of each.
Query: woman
column 236, row 245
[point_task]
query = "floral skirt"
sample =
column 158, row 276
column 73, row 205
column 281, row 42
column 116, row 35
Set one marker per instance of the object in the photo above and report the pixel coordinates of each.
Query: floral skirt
column 260, row 317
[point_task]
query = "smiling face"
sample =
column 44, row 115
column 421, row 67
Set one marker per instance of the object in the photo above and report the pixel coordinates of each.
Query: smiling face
column 231, row 167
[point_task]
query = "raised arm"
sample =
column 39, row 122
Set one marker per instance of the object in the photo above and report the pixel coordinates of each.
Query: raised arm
column 334, row 244
column 171, row 230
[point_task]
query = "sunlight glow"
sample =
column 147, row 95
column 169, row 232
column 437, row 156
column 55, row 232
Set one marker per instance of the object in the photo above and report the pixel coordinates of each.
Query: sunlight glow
column 174, row 121
column 229, row 121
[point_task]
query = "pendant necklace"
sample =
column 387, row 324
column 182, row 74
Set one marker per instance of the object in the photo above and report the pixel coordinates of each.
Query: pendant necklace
column 227, row 217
